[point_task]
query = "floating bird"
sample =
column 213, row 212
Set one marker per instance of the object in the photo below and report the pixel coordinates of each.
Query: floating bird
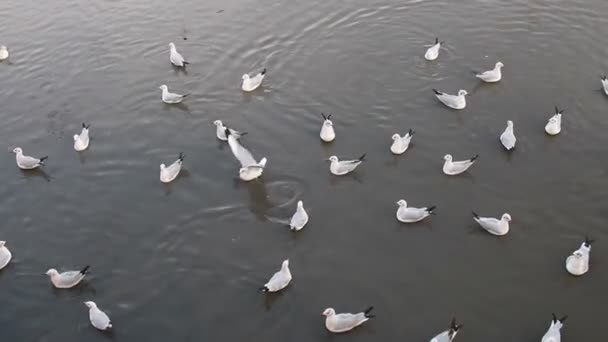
column 252, row 83
column 68, row 279
column 433, row 52
column 327, row 130
column 553, row 334
column 507, row 138
column 400, row 144
column 175, row 57
column 279, row 280
column 410, row 214
column 452, row 168
column 5, row 255
column 343, row 167
column 220, row 131
column 168, row 174
column 299, row 218
column 453, row 101
column 171, row 98
column 578, row 262
column 604, row 83
column 98, row 318
column 493, row 75
column 250, row 168
column 3, row 53
column 343, row 322
column 81, row 141
column 27, row 162
column 492, row 225
column 554, row 126
column 448, row 335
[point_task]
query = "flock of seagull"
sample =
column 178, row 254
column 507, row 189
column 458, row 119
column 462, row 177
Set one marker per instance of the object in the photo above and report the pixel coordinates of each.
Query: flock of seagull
column 576, row 264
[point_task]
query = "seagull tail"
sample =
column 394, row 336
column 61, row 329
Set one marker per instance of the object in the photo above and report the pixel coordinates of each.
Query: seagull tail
column 362, row 157
column 474, row 157
column 181, row 156
column 558, row 111
column 84, row 125
column 263, row 72
column 85, row 269
column 588, row 241
column 185, row 95
column 264, row 289
column 436, row 40
column 367, row 311
column 437, row 92
column 185, row 63
column 109, row 325
column 43, row 159
column 475, row 215
column 563, row 318
column 454, row 327
column 431, row 209
column 323, row 116
column 604, row 78
column 411, row 132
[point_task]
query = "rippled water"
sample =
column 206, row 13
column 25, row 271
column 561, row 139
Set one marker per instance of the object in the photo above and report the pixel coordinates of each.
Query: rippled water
column 182, row 262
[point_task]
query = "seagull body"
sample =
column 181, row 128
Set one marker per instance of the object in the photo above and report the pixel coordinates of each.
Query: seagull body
column 433, row 52
column 250, row 168
column 578, row 262
column 98, row 318
column 168, row 174
column 553, row 334
column 299, row 218
column 27, row 162
column 401, row 143
column 171, row 98
column 68, row 279
column 453, row 101
column 5, row 255
column 3, row 53
column 343, row 322
column 220, row 131
column 81, row 141
column 494, row 226
column 175, row 57
column 410, row 214
column 604, row 82
column 252, row 83
column 493, row 75
column 342, row 167
column 452, row 168
column 448, row 335
column 279, row 280
column 554, row 126
column 327, row 130
column 507, row 138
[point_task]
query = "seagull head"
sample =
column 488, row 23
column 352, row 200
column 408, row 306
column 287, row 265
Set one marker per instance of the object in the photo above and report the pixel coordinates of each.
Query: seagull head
column 52, row 272
column 172, row 46
column 328, row 122
column 333, row 159
column 17, row 150
column 506, row 217
column 329, row 312
column 396, row 136
column 163, row 88
column 499, row 65
column 162, row 166
column 90, row 304
column 218, row 123
column 245, row 77
column 447, row 157
column 553, row 120
column 401, row 203
column 462, row 92
column 76, row 137
column 2, row 243
column 578, row 254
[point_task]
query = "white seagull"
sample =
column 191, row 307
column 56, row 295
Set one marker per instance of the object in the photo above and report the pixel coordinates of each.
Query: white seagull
column 3, row 53
column 448, row 335
column 171, row 98
column 604, row 83
column 507, row 138
column 327, row 130
column 453, row 101
column 5, row 255
column 343, row 322
column 81, row 141
column 175, row 57
column 553, row 334
column 554, row 126
column 342, row 167
column 578, row 262
column 27, row 162
column 252, row 83
column 169, row 173
column 401, row 143
column 220, row 131
column 492, row 225
column 410, row 214
column 433, row 52
column 493, row 75
column 98, row 318
column 299, row 218
column 250, row 168
column 452, row 168
column 68, row 279
column 279, row 280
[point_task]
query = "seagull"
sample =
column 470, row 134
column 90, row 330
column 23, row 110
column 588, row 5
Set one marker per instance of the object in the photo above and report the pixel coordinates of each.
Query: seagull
column 171, row 98
column 507, row 138
column 252, row 83
column 343, row 167
column 343, row 322
column 604, row 81
column 448, row 335
column 578, row 262
column 299, row 218
column 27, row 162
column 168, row 174
column 250, row 169
column 553, row 333
column 279, row 280
column 554, row 126
column 81, row 141
column 433, row 52
column 327, row 130
column 98, row 318
column 452, row 168
column 68, row 279
column 3, row 53
column 452, row 101
column 410, row 214
column 220, row 131
column 400, row 144
column 492, row 225
column 175, row 57
column 493, row 75
column 5, row 255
